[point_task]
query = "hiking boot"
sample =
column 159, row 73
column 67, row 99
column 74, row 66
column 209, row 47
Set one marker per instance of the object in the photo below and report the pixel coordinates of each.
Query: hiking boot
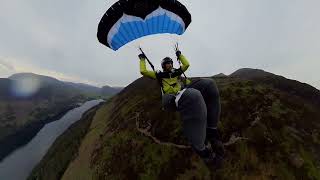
column 213, row 137
column 210, row 158
column 218, row 147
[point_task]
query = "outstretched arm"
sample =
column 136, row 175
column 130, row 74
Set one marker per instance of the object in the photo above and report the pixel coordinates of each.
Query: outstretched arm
column 184, row 61
column 144, row 71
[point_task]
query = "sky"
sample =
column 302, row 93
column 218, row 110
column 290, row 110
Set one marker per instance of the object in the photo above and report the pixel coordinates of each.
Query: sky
column 58, row 39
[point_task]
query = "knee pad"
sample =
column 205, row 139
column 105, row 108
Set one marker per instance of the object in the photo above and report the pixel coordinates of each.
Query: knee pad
column 193, row 94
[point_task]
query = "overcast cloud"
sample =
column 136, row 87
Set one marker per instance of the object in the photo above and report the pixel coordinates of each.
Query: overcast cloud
column 58, row 38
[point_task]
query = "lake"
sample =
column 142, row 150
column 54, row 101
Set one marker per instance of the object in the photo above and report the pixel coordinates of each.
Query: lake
column 19, row 164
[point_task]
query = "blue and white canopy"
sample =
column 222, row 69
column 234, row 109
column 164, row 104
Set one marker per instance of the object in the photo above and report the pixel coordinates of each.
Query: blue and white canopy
column 128, row 20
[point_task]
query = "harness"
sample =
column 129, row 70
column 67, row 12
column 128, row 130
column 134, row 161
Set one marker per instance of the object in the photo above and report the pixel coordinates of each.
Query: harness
column 161, row 76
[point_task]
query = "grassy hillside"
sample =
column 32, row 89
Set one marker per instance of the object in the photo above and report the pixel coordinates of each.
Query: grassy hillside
column 269, row 133
column 292, row 87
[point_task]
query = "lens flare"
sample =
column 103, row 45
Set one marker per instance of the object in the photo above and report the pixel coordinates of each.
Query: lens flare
column 25, row 87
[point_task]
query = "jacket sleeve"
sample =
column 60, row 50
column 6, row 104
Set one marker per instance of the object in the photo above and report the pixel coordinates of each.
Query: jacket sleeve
column 144, row 71
column 185, row 63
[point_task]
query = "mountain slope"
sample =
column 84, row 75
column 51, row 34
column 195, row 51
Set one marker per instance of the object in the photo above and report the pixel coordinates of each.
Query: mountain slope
column 269, row 133
column 279, row 82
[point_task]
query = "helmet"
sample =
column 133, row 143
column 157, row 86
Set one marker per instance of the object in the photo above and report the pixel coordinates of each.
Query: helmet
column 166, row 60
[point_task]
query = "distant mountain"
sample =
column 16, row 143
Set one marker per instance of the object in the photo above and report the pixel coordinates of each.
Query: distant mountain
column 220, row 75
column 270, row 128
column 249, row 73
column 43, row 80
column 32, row 86
column 49, row 82
column 104, row 91
column 107, row 90
column 28, row 101
column 85, row 88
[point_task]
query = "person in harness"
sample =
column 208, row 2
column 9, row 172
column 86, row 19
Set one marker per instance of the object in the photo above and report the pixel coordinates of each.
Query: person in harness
column 198, row 102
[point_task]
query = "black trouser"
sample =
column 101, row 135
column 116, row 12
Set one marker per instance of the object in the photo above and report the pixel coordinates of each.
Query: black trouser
column 199, row 106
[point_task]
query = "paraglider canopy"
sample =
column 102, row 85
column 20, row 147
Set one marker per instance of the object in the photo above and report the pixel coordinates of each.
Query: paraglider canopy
column 127, row 20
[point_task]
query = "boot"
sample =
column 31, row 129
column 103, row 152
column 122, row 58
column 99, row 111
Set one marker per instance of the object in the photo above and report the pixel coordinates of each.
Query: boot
column 210, row 158
column 213, row 137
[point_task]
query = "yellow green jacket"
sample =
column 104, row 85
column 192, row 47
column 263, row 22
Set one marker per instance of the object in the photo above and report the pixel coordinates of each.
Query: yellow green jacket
column 171, row 81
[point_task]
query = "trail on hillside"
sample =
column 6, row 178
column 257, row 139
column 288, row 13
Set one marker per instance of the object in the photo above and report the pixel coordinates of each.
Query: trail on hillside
column 145, row 131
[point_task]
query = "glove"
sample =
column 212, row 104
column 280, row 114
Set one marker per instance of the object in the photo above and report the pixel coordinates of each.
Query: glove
column 178, row 53
column 142, row 56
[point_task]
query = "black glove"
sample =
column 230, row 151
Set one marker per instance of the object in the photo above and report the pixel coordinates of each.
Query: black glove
column 178, row 53
column 142, row 56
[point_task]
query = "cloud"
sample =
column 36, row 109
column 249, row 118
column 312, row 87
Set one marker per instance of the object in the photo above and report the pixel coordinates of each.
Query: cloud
column 6, row 65
column 6, row 68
